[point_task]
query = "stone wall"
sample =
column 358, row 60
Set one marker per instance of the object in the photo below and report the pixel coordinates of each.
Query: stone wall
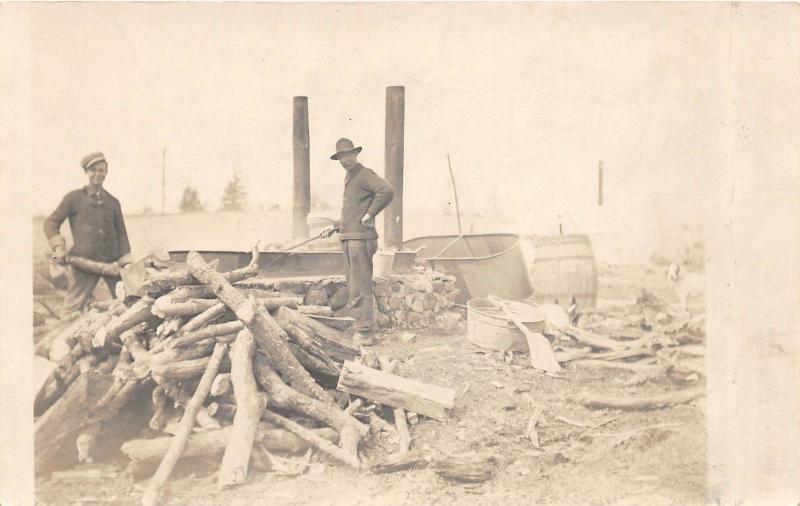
column 402, row 301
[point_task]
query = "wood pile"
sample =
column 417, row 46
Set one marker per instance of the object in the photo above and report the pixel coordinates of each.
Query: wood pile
column 228, row 372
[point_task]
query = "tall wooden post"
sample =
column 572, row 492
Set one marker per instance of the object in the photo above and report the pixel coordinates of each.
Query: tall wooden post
column 600, row 184
column 302, row 169
column 395, row 121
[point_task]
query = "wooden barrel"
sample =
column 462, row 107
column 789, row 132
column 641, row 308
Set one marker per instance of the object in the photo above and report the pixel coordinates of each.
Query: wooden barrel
column 564, row 267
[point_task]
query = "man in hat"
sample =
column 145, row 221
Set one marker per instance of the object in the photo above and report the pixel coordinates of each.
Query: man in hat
column 98, row 232
column 365, row 195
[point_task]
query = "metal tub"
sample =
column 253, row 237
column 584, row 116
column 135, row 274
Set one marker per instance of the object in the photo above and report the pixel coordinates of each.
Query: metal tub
column 483, row 264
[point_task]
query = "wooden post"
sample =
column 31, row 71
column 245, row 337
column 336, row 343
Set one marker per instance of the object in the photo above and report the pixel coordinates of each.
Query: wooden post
column 395, row 119
column 600, row 184
column 302, row 169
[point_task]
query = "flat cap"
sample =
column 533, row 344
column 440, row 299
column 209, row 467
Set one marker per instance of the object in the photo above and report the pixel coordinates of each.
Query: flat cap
column 91, row 159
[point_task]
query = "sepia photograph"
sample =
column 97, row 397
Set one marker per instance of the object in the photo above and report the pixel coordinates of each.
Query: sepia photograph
column 402, row 253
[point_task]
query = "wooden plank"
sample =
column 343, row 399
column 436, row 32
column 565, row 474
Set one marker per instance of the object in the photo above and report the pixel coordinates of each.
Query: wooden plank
column 423, row 398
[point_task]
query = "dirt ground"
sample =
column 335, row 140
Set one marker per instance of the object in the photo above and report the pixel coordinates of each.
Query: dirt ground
column 636, row 458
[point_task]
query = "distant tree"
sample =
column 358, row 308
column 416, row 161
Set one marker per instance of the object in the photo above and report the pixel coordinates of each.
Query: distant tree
column 234, row 198
column 190, row 202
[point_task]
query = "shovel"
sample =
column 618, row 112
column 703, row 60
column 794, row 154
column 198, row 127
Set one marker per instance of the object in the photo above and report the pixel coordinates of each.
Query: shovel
column 542, row 356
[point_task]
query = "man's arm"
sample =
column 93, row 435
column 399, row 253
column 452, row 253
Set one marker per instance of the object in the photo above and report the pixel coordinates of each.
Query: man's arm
column 122, row 237
column 382, row 191
column 52, row 228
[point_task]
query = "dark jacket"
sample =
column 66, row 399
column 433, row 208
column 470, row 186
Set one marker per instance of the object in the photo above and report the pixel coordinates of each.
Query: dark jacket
column 364, row 192
column 98, row 230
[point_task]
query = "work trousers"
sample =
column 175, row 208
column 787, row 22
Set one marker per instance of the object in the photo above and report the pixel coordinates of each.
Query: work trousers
column 358, row 255
column 80, row 288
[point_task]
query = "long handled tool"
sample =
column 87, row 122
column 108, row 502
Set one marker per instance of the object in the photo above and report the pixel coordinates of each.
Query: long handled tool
column 542, row 356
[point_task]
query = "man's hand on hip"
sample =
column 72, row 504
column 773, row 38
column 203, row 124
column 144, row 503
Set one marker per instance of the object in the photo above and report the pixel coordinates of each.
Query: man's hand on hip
column 365, row 220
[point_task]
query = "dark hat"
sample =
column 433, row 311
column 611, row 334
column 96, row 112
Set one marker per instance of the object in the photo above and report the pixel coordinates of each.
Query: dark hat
column 91, row 159
column 344, row 146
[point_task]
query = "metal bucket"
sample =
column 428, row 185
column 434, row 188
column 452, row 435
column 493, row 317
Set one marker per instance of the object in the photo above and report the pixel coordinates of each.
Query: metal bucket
column 488, row 327
column 483, row 264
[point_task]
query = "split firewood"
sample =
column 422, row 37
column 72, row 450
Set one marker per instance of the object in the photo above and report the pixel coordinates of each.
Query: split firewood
column 284, row 397
column 146, row 453
column 60, row 424
column 325, row 370
column 400, row 421
column 152, row 495
column 137, row 313
column 426, row 399
column 642, row 403
column 268, row 335
column 169, row 279
column 250, row 403
column 308, row 435
column 333, row 343
column 93, row 266
column 469, row 467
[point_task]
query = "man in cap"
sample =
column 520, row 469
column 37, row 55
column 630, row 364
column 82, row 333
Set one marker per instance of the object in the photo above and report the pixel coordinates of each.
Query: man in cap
column 98, row 232
column 365, row 195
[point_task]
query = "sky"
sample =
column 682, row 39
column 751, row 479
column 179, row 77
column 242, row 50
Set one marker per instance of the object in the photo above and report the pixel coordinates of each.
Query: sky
column 526, row 99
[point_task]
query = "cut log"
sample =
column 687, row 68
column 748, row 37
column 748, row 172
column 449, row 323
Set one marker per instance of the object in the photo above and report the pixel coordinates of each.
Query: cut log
column 333, row 343
column 308, row 435
column 620, row 366
column 469, row 468
column 335, row 322
column 146, row 453
column 167, row 280
column 642, row 403
column 312, row 310
column 190, row 307
column 222, row 410
column 222, row 384
column 183, row 293
column 401, row 461
column 400, row 422
column 327, row 372
column 250, row 403
column 281, row 396
column 43, row 369
column 205, row 317
column 423, row 398
column 267, row 333
column 152, row 495
column 220, row 329
column 61, row 423
column 93, row 266
column 181, row 371
column 137, row 313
